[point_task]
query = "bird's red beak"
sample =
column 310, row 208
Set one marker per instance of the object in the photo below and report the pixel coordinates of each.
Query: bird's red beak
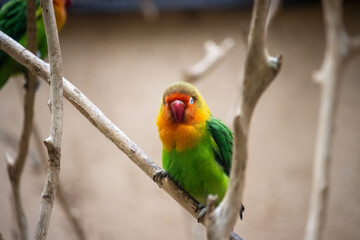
column 178, row 110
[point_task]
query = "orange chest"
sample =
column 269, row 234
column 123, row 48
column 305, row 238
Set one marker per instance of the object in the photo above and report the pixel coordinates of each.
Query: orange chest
column 181, row 136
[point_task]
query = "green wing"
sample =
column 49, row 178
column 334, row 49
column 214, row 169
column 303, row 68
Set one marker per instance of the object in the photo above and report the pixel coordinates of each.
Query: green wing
column 13, row 21
column 223, row 141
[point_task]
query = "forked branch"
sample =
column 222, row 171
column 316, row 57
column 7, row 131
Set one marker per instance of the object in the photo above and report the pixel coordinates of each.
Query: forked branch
column 260, row 71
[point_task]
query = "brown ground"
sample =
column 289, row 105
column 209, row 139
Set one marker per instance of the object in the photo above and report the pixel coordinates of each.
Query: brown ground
column 123, row 64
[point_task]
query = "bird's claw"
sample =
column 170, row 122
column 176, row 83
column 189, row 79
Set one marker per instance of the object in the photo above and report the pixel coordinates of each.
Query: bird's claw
column 159, row 175
column 199, row 207
column 203, row 209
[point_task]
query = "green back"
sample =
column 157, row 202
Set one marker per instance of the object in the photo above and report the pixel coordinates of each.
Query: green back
column 223, row 138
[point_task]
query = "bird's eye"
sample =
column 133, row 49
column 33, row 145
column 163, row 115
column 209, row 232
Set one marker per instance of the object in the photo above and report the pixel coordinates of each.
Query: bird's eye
column 191, row 101
column 165, row 103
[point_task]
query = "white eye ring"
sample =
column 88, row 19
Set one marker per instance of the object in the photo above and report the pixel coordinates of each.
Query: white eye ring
column 191, row 101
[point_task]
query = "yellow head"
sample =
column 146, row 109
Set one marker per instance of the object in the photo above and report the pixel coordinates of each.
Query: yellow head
column 182, row 117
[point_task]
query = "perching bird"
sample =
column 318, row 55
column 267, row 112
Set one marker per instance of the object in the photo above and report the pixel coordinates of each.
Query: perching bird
column 13, row 23
column 197, row 148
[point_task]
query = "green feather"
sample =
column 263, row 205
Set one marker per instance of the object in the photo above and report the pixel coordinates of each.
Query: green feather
column 13, row 23
column 223, row 141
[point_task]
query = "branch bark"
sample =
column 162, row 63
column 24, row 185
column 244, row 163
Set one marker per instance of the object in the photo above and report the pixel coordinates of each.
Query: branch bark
column 339, row 48
column 260, row 71
column 53, row 142
column 213, row 55
column 101, row 122
column 60, row 195
column 15, row 167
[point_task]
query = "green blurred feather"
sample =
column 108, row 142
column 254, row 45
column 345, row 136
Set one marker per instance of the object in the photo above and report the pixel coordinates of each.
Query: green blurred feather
column 13, row 23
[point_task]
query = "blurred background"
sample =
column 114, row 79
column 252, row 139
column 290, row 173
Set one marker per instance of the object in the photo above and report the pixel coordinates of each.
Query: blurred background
column 122, row 57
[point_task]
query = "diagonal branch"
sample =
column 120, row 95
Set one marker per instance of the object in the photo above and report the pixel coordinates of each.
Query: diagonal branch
column 15, row 167
column 213, row 55
column 260, row 71
column 339, row 48
column 101, row 122
column 53, row 142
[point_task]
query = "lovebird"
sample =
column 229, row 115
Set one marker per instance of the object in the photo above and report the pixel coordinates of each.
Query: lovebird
column 13, row 23
column 197, row 148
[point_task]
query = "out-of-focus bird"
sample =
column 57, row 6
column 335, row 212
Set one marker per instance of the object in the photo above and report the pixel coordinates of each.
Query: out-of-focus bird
column 13, row 23
column 197, row 148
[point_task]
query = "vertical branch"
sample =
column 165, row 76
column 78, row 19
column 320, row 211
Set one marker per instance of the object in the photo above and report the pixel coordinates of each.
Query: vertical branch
column 260, row 70
column 15, row 167
column 339, row 47
column 53, row 142
column 60, row 195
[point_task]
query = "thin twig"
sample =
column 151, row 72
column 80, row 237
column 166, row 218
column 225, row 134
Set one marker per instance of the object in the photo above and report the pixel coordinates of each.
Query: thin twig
column 213, row 55
column 15, row 167
column 260, row 71
column 53, row 142
column 339, row 48
column 60, row 195
column 101, row 122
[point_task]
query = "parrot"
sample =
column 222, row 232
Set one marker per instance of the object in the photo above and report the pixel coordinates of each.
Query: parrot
column 13, row 23
column 197, row 147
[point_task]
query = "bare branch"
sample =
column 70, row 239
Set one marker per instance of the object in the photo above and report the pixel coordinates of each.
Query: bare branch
column 260, row 70
column 53, row 142
column 101, row 122
column 213, row 55
column 339, row 47
column 15, row 167
column 61, row 197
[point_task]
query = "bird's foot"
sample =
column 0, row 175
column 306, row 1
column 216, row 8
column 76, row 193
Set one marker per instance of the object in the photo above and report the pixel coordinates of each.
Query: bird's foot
column 203, row 209
column 159, row 175
column 242, row 209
